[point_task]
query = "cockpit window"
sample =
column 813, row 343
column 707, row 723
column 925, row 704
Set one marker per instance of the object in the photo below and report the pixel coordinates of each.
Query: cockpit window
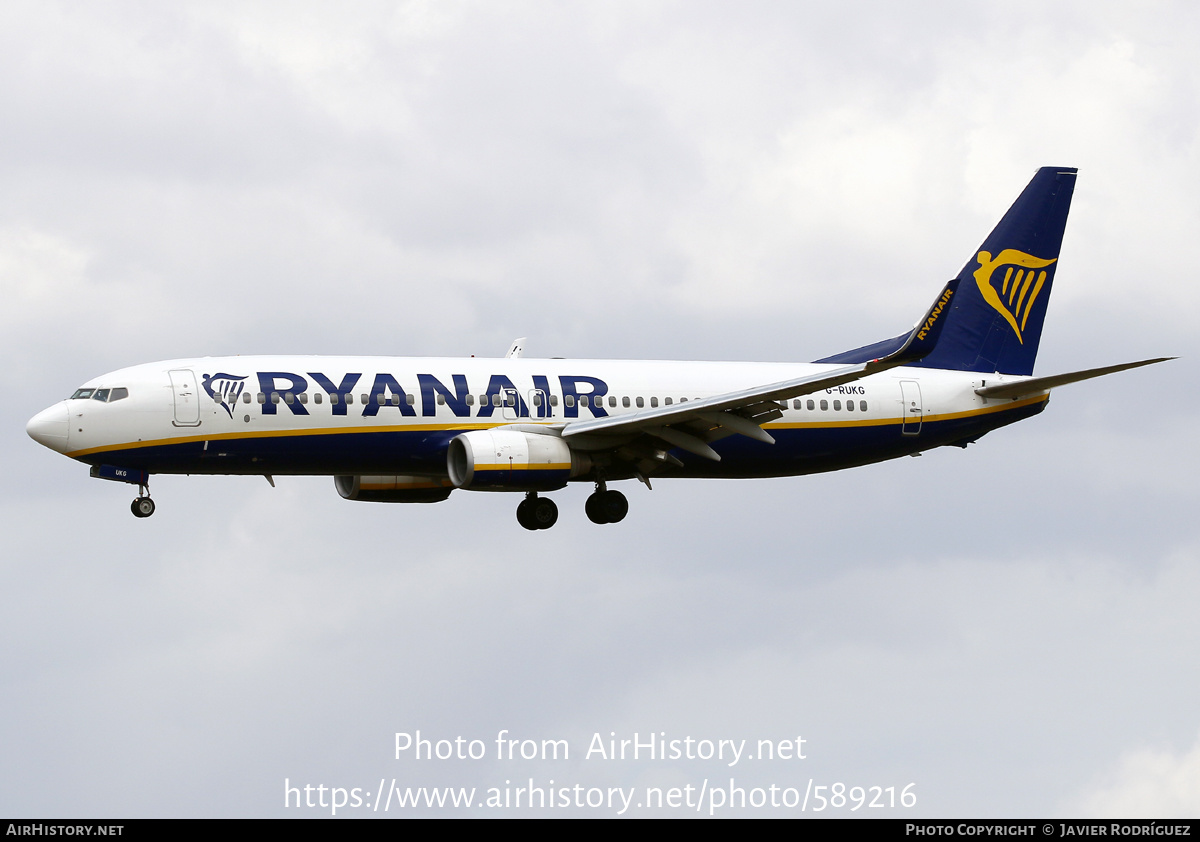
column 102, row 395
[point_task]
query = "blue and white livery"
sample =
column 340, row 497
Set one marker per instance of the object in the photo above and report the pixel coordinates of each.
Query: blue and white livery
column 413, row 430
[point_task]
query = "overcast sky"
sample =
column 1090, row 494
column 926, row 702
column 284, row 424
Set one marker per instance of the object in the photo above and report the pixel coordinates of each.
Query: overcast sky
column 1013, row 627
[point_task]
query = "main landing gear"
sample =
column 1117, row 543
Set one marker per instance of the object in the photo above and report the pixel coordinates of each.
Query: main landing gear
column 537, row 512
column 142, row 506
column 604, row 506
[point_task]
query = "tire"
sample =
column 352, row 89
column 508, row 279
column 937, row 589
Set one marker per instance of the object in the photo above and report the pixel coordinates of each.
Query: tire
column 142, row 507
column 615, row 506
column 594, row 510
column 525, row 515
column 545, row 513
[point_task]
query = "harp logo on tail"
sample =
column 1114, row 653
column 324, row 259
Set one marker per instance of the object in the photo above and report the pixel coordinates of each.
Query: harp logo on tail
column 1012, row 293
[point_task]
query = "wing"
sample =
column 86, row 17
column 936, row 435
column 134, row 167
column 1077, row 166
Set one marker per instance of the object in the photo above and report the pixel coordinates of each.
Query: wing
column 745, row 411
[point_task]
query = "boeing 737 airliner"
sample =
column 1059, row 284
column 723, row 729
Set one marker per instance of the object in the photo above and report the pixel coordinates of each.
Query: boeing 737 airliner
column 412, row 430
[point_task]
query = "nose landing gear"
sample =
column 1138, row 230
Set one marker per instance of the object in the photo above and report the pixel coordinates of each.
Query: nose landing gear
column 142, row 505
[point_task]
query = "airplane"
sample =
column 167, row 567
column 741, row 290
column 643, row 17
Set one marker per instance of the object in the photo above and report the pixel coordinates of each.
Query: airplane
column 413, row 430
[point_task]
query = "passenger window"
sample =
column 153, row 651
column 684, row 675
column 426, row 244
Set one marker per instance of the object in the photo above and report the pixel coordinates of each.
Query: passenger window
column 862, row 406
column 837, row 406
column 303, row 397
column 666, row 401
column 441, row 399
column 583, row 401
column 824, row 405
column 537, row 398
column 569, row 400
column 395, row 399
column 811, row 404
column 683, row 400
column 333, row 399
column 412, row 399
column 849, row 406
column 121, row 392
column 797, row 404
column 470, row 400
column 289, row 398
column 100, row 395
column 316, row 397
column 654, row 402
column 554, row 400
column 350, row 399
column 245, row 395
column 274, row 397
column 363, row 398
column 262, row 398
column 640, row 403
column 625, row 402
column 612, row 401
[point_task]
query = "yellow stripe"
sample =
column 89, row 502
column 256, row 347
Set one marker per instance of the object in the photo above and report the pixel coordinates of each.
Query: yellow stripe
column 880, row 422
column 271, row 434
column 533, row 466
column 333, row 431
column 406, row 486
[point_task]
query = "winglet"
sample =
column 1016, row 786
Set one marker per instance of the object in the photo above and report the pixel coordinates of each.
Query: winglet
column 924, row 337
column 516, row 348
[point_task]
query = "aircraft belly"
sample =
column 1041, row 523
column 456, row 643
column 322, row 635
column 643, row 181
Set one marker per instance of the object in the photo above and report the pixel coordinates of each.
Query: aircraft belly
column 390, row 452
column 811, row 449
column 798, row 449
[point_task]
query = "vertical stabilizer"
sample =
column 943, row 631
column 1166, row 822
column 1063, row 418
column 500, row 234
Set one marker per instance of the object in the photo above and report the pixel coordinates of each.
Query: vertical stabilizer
column 995, row 322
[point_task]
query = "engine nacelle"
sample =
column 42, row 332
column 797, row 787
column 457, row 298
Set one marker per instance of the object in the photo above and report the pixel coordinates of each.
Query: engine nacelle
column 393, row 489
column 511, row 460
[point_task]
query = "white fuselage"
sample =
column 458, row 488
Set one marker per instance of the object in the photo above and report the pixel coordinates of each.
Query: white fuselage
column 356, row 415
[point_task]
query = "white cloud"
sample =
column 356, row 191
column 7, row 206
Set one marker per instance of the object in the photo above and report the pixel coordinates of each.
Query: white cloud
column 1145, row 783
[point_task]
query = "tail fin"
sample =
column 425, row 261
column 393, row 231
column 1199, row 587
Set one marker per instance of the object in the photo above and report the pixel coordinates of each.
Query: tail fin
column 995, row 322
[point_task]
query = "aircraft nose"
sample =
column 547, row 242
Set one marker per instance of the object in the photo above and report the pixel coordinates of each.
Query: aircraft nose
column 49, row 427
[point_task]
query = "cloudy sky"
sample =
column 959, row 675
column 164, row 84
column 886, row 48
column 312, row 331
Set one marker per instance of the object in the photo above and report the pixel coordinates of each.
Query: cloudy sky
column 1011, row 628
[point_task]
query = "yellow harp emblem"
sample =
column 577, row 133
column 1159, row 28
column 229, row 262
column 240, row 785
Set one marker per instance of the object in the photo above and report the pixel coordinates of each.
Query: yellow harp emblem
column 1018, row 289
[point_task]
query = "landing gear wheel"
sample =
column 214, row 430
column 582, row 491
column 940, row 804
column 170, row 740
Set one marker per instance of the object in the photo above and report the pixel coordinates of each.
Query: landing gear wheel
column 593, row 509
column 537, row 513
column 606, row 507
column 525, row 515
column 545, row 513
column 615, row 506
column 142, row 507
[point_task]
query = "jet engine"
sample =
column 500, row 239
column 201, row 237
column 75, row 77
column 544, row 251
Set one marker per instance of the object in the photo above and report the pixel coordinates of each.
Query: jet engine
column 512, row 460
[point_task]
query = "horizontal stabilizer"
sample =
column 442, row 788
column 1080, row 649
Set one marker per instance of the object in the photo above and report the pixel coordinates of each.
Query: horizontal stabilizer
column 1042, row 384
